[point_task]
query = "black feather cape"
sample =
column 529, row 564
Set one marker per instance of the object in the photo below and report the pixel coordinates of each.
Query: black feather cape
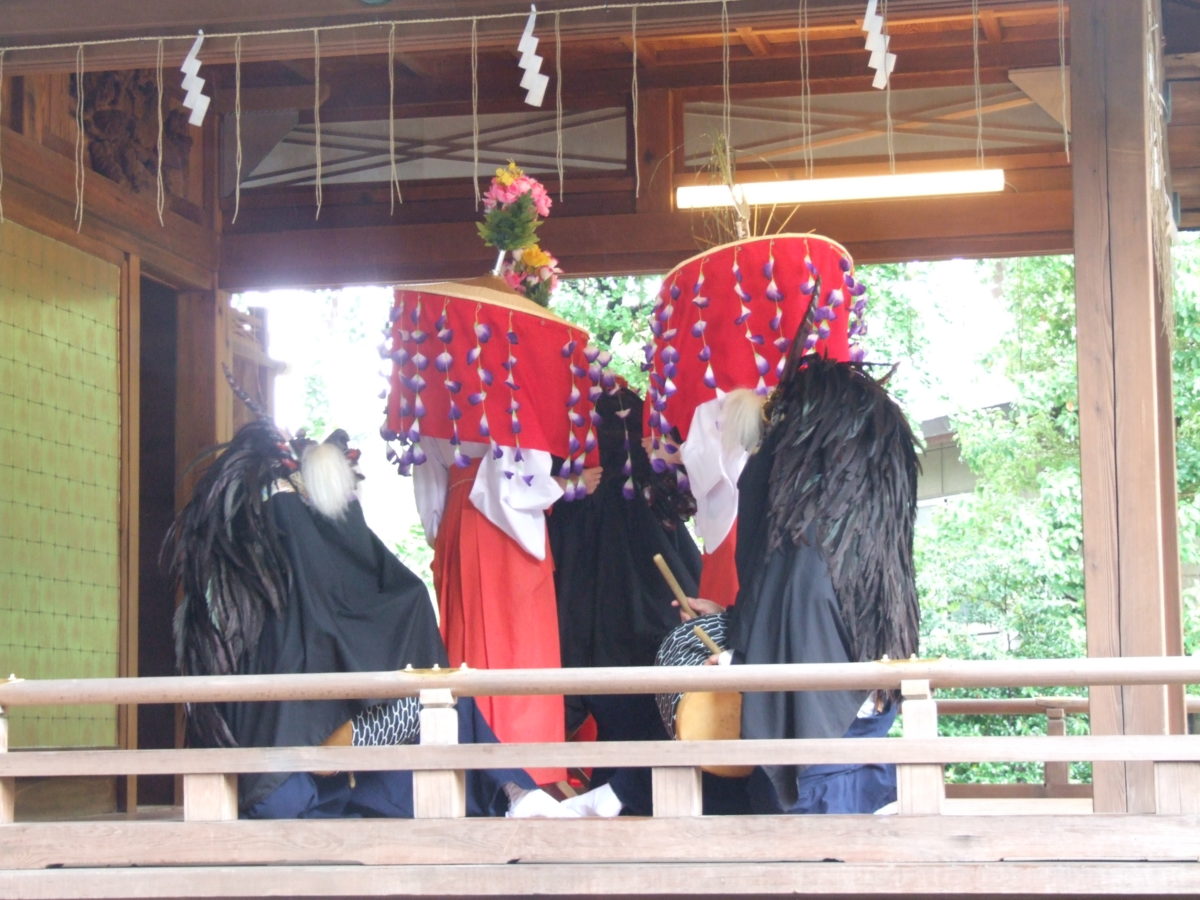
column 825, row 528
column 270, row 586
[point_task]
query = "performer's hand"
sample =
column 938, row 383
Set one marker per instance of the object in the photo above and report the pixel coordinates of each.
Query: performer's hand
column 591, row 477
column 700, row 605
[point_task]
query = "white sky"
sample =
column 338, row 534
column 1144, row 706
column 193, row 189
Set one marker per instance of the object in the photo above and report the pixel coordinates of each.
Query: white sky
column 962, row 322
column 299, row 338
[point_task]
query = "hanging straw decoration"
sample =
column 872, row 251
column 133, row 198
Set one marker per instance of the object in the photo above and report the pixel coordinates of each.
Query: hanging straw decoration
column 394, row 188
column 79, row 142
column 237, row 126
column 160, row 194
column 806, row 129
column 475, row 109
column 1, row 136
column 978, row 84
column 317, row 114
column 887, row 103
column 726, row 104
column 633, row 91
column 558, row 106
column 1064, row 114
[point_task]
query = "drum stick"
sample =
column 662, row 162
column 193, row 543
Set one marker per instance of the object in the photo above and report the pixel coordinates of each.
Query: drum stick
column 706, row 640
column 669, row 577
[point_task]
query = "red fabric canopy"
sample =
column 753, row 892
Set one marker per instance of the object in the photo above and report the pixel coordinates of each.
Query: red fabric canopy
column 726, row 318
column 475, row 361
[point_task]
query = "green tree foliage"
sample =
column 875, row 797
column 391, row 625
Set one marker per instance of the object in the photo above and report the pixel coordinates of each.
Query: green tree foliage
column 416, row 553
column 899, row 297
column 1186, row 369
column 1000, row 569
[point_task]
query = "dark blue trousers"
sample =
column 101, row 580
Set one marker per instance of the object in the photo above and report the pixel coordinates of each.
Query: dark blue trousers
column 389, row 794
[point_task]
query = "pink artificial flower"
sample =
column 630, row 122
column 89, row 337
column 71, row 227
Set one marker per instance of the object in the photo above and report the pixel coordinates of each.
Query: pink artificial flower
column 511, row 277
column 501, row 194
column 541, row 199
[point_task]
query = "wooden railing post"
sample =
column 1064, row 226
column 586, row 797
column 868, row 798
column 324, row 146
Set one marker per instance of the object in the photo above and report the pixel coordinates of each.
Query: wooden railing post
column 1055, row 775
column 439, row 794
column 920, row 787
column 676, row 791
column 210, row 798
column 8, row 786
column 1177, row 788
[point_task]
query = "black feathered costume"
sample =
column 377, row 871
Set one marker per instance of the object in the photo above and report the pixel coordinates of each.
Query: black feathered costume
column 272, row 586
column 826, row 573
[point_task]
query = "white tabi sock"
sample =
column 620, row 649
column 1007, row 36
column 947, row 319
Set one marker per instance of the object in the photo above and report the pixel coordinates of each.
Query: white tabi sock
column 601, row 802
column 535, row 804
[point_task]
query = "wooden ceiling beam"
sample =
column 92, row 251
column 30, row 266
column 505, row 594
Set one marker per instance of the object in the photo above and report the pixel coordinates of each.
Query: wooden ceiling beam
column 753, row 42
column 992, row 28
column 33, row 22
column 1182, row 66
column 278, row 29
column 289, row 97
column 1012, row 223
column 645, row 50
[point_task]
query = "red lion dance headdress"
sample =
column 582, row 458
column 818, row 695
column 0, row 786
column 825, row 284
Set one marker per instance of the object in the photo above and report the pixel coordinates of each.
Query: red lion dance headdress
column 726, row 319
column 476, row 361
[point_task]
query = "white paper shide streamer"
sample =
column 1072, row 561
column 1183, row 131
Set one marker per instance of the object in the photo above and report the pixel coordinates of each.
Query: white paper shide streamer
column 533, row 81
column 877, row 43
column 193, row 84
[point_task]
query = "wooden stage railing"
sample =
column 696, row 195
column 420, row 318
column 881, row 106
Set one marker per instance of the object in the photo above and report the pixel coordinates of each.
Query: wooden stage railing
column 438, row 853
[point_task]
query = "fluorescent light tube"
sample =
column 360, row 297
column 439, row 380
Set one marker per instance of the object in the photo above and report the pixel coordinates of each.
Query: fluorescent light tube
column 858, row 187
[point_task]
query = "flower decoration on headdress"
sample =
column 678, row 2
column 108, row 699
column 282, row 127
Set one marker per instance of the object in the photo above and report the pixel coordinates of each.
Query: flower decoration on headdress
column 484, row 361
column 514, row 206
column 533, row 272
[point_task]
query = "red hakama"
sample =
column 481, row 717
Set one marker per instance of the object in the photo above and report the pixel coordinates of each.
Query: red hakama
column 498, row 611
column 718, row 572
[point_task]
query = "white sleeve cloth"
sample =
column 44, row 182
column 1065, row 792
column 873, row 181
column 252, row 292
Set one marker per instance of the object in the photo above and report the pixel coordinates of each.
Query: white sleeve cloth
column 431, row 480
column 713, row 470
column 515, row 507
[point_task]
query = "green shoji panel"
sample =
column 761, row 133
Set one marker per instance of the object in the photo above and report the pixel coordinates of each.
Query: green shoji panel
column 60, row 470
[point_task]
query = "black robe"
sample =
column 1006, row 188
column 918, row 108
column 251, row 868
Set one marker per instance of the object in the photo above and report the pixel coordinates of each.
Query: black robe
column 353, row 607
column 826, row 508
column 614, row 608
column 786, row 612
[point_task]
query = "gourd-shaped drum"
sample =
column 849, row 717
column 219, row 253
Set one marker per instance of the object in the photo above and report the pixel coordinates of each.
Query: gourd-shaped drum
column 700, row 715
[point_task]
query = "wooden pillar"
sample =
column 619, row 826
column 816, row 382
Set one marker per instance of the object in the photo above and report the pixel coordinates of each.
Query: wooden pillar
column 131, row 360
column 203, row 409
column 1127, row 452
column 1178, row 787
